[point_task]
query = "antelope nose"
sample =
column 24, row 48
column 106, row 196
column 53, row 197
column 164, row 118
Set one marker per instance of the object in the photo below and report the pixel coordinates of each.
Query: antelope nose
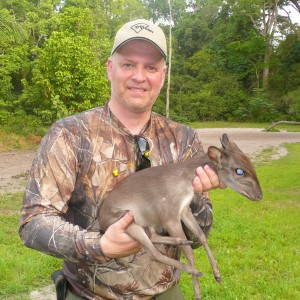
column 259, row 196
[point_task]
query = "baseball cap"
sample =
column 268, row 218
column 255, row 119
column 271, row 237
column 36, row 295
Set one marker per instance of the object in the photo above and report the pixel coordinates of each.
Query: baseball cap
column 141, row 29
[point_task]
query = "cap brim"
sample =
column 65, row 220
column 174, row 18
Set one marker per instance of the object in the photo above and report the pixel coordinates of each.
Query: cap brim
column 140, row 38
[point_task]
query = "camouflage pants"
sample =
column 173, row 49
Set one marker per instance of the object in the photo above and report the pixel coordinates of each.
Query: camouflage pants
column 174, row 293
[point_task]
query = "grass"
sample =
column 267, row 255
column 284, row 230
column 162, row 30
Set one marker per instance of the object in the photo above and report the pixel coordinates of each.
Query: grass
column 14, row 141
column 257, row 245
column 23, row 132
column 21, row 269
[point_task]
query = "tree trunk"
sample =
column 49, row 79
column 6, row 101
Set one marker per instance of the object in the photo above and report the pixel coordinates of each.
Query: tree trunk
column 268, row 18
column 169, row 65
column 266, row 70
column 282, row 122
column 269, row 26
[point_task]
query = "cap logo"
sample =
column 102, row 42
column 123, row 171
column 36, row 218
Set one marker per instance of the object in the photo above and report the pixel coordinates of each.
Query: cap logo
column 137, row 28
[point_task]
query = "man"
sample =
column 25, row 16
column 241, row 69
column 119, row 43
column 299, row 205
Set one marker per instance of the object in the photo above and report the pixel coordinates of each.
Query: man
column 81, row 159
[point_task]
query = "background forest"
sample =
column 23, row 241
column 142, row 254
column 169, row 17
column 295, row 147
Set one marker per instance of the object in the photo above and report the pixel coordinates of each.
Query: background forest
column 235, row 60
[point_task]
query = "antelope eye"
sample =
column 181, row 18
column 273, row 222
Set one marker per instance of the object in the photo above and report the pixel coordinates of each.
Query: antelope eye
column 240, row 171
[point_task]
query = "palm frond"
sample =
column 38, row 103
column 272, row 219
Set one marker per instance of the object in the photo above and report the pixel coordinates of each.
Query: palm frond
column 11, row 30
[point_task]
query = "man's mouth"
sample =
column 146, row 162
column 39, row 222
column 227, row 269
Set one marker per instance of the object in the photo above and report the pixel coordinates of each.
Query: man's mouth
column 138, row 90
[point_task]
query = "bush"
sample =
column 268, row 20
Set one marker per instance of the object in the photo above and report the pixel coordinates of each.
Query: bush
column 257, row 109
column 23, row 124
column 4, row 116
column 292, row 102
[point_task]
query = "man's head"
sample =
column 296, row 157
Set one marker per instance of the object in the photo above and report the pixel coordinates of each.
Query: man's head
column 141, row 30
column 137, row 67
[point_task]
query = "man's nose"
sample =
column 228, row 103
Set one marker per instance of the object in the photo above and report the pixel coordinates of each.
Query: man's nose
column 139, row 74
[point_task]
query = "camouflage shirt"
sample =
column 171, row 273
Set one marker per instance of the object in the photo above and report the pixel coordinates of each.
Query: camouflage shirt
column 70, row 176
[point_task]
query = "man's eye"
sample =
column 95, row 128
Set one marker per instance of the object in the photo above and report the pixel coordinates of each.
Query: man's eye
column 152, row 68
column 128, row 66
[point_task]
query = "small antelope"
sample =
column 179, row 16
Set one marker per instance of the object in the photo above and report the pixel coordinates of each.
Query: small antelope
column 168, row 186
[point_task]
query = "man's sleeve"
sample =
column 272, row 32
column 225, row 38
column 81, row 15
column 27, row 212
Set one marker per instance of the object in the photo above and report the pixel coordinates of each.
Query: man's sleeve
column 43, row 225
column 202, row 210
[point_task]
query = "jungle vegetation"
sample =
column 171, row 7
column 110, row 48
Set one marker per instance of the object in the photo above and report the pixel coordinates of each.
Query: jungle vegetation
column 231, row 60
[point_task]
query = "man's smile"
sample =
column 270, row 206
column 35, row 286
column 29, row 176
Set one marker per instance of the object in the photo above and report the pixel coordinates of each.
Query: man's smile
column 137, row 89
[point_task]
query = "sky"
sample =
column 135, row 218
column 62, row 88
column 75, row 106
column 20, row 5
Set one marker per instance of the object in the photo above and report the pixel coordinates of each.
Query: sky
column 295, row 16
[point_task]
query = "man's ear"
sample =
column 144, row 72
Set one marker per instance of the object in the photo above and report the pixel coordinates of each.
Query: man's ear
column 164, row 75
column 109, row 68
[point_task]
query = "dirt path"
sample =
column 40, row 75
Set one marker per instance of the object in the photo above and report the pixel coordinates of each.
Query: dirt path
column 14, row 170
column 251, row 140
column 15, row 165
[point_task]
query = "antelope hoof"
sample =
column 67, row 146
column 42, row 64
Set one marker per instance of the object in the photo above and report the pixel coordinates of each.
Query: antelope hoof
column 218, row 279
column 199, row 274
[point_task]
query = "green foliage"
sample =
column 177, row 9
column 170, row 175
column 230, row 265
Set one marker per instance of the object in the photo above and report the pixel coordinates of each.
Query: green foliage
column 10, row 30
column 285, row 81
column 244, row 59
column 4, row 115
column 67, row 65
column 74, row 21
column 13, row 64
column 160, row 10
column 292, row 101
column 219, row 53
column 20, row 131
column 259, row 108
column 67, row 75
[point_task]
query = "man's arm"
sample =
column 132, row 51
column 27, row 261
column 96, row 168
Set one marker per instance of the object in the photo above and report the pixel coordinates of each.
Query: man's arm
column 44, row 226
column 55, row 236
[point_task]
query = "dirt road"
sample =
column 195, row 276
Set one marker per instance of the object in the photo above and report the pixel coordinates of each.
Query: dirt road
column 15, row 165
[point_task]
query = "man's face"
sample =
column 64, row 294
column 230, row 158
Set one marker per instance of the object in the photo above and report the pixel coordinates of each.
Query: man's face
column 136, row 72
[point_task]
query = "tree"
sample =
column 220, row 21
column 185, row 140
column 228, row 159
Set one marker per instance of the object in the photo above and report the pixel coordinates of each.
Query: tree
column 170, row 60
column 10, row 29
column 296, row 6
column 12, row 62
column 68, row 76
column 244, row 59
column 159, row 10
column 264, row 17
column 219, row 56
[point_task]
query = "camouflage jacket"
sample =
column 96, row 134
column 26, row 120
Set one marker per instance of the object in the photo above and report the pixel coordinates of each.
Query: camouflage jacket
column 70, row 176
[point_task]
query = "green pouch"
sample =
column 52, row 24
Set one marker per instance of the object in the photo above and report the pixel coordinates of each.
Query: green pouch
column 174, row 293
column 60, row 282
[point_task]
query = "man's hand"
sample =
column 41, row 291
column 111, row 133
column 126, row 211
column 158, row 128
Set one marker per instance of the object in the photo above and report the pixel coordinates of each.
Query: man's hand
column 116, row 243
column 206, row 180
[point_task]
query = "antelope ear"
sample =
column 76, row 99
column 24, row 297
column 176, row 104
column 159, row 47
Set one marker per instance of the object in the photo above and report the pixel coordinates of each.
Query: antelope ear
column 224, row 140
column 215, row 155
column 227, row 144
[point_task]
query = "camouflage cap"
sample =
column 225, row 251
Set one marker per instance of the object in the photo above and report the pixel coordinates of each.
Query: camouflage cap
column 141, row 29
